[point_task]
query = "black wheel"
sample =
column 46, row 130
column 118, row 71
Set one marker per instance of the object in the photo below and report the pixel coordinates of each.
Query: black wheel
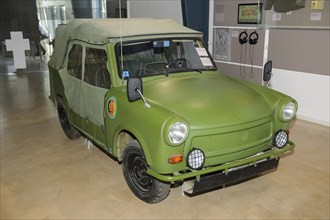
column 68, row 129
column 180, row 62
column 141, row 184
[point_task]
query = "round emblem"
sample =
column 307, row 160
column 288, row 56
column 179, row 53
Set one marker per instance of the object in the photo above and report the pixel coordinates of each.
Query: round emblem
column 112, row 107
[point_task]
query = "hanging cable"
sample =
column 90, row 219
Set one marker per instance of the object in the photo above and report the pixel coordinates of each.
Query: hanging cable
column 240, row 61
column 253, row 40
column 251, row 56
column 243, row 39
column 243, row 73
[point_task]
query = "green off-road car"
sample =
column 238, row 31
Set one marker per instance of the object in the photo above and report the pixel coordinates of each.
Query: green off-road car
column 148, row 92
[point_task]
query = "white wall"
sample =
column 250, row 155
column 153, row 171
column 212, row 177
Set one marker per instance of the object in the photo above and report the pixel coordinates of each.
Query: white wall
column 155, row 9
column 310, row 90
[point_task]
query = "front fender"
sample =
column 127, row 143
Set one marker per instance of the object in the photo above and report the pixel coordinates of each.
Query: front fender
column 141, row 123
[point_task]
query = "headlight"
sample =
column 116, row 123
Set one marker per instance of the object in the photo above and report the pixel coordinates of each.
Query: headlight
column 286, row 109
column 178, row 133
column 289, row 111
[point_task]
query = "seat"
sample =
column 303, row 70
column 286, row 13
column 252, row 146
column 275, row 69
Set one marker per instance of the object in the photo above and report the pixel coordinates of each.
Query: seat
column 102, row 78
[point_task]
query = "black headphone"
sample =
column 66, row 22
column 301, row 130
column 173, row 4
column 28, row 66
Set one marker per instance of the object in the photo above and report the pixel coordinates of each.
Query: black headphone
column 253, row 40
column 243, row 39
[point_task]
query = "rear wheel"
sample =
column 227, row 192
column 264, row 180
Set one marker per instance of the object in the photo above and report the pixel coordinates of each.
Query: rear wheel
column 145, row 187
column 68, row 129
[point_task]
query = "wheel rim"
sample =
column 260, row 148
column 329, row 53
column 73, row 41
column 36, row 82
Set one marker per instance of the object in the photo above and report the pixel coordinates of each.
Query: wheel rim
column 138, row 173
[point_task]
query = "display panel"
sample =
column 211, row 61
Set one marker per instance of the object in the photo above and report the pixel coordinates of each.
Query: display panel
column 249, row 13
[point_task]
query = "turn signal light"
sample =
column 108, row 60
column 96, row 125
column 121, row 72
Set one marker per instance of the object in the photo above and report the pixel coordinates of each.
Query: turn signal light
column 175, row 159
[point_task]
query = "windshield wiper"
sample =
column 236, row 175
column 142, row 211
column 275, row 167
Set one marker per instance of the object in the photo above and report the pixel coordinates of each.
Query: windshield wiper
column 183, row 69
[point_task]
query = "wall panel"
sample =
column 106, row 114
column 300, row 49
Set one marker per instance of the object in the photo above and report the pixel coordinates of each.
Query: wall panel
column 303, row 50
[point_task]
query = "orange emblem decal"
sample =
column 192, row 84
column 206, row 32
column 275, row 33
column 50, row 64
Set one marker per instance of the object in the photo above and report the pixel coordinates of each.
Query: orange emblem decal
column 112, row 107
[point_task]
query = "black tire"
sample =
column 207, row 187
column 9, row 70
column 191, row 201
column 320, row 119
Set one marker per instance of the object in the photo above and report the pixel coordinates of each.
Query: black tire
column 68, row 129
column 144, row 187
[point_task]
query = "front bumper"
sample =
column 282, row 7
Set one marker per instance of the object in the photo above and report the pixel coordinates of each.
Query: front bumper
column 273, row 153
column 233, row 176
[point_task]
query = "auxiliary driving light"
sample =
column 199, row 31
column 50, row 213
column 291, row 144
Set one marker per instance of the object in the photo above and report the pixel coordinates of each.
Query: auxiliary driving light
column 195, row 159
column 281, row 138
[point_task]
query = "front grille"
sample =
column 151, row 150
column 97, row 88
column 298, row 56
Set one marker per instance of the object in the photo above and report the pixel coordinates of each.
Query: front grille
column 233, row 145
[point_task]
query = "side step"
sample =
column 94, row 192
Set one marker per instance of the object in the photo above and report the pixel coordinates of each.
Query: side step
column 235, row 175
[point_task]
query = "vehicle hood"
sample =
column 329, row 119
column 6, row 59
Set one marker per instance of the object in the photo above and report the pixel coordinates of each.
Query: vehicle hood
column 208, row 101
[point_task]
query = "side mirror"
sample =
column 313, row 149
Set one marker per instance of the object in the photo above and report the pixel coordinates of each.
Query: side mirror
column 133, row 86
column 268, row 71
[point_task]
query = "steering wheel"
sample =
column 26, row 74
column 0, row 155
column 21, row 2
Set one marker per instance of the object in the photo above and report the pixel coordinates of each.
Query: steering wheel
column 180, row 62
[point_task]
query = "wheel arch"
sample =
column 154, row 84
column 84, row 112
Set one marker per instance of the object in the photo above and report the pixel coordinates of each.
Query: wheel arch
column 58, row 98
column 63, row 100
column 123, row 137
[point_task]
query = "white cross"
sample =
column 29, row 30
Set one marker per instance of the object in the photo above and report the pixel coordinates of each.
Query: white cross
column 18, row 45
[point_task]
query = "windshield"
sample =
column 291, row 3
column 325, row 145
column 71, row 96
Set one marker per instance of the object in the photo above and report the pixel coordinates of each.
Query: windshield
column 163, row 57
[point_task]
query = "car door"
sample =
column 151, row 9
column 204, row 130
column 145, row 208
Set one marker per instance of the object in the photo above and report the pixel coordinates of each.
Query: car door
column 96, row 83
column 71, row 76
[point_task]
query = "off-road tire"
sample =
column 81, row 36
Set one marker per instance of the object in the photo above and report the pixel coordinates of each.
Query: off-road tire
column 145, row 187
column 68, row 129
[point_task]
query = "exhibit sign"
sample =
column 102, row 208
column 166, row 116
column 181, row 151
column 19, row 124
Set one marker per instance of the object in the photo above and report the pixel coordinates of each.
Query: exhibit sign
column 249, row 13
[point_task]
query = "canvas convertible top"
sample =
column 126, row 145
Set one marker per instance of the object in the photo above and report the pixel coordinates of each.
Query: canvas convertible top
column 102, row 31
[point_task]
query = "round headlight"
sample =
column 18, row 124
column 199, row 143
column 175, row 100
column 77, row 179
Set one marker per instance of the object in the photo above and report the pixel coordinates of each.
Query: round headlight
column 289, row 111
column 178, row 133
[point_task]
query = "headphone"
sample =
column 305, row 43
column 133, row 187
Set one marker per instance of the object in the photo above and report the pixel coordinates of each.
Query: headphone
column 243, row 39
column 253, row 39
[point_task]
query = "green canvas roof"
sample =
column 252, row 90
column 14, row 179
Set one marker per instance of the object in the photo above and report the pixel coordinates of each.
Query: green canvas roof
column 102, row 31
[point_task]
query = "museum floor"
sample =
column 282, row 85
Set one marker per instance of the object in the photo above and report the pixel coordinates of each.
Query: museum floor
column 44, row 175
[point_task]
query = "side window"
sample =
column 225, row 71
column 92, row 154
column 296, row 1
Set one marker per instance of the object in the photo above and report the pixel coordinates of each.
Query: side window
column 96, row 71
column 74, row 62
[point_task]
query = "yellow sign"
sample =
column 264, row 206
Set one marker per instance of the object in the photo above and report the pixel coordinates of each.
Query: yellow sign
column 249, row 13
column 317, row 4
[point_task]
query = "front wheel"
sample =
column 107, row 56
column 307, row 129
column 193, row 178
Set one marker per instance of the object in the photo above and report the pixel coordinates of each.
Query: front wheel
column 141, row 184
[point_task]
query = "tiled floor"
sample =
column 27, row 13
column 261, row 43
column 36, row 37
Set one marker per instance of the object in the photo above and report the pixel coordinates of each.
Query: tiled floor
column 44, row 175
